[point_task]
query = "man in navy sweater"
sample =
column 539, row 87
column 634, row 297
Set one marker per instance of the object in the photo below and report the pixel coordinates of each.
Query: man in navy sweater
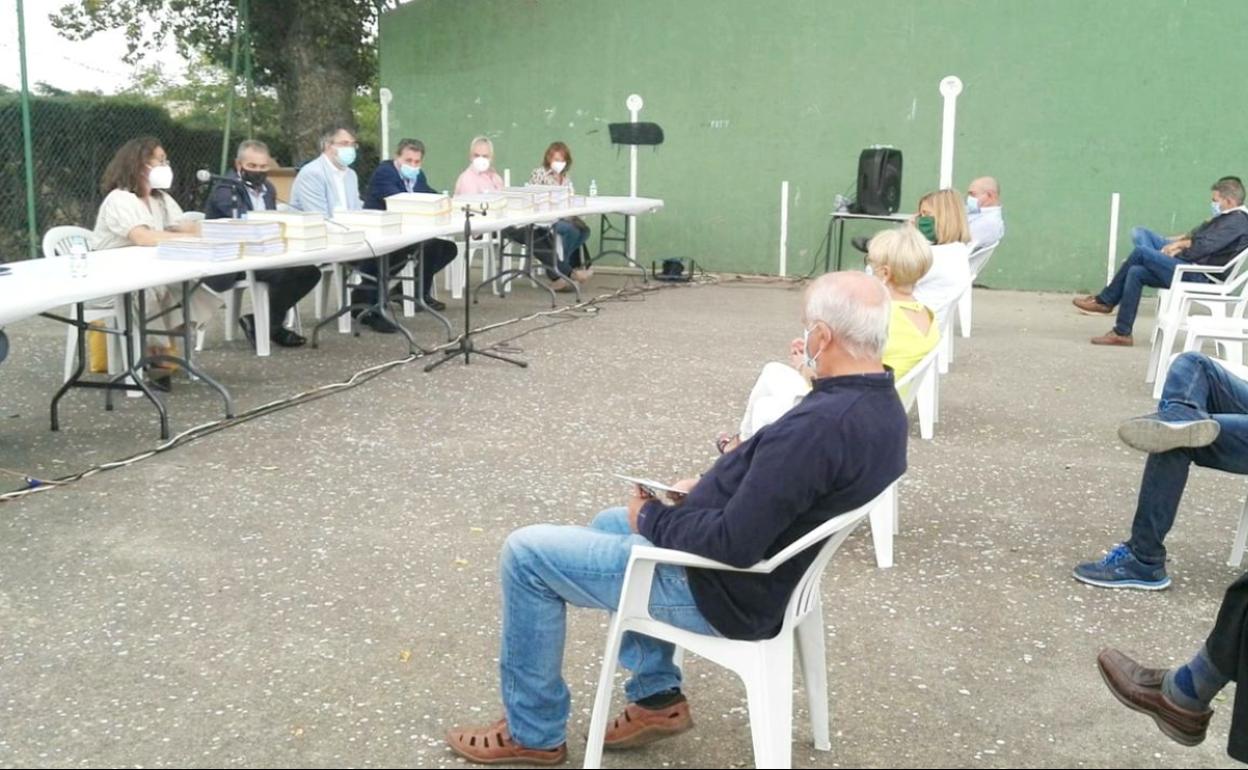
column 838, row 449
column 404, row 174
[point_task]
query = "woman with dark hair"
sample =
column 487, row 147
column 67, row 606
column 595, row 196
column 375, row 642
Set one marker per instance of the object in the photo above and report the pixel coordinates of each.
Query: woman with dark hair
column 573, row 232
column 139, row 211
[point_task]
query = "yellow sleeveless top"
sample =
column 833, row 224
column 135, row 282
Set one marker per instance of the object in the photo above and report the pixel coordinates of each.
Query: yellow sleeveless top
column 906, row 346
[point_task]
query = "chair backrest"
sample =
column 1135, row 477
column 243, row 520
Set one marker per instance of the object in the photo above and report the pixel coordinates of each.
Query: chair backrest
column 979, row 258
column 58, row 241
column 908, row 386
column 833, row 533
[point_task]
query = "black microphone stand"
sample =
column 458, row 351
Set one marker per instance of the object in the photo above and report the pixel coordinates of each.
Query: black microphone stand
column 466, row 346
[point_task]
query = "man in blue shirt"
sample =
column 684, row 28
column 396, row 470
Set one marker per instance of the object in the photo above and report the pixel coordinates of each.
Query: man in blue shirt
column 837, row 450
column 405, row 174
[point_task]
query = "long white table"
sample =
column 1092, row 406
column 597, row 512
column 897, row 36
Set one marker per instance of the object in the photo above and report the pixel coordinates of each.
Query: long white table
column 39, row 286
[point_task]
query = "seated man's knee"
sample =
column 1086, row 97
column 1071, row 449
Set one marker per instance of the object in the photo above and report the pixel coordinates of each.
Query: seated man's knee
column 525, row 543
column 611, row 520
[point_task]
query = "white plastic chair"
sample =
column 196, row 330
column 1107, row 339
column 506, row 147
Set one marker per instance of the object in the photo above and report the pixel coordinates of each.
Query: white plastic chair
column 1174, row 306
column 765, row 666
column 978, row 261
column 486, row 244
column 57, row 242
column 260, row 309
column 921, row 386
column 946, row 336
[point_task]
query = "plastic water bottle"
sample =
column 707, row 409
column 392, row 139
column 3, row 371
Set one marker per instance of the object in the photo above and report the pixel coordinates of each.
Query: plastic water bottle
column 78, row 260
column 593, row 188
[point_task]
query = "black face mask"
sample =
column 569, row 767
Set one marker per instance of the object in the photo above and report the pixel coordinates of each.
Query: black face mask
column 255, row 178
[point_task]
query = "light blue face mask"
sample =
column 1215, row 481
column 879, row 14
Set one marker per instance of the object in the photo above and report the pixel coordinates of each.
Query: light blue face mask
column 410, row 173
column 1213, row 206
column 808, row 361
column 972, row 204
column 346, row 155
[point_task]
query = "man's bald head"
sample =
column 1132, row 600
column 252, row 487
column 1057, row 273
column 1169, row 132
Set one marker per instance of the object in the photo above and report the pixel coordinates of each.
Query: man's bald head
column 985, row 190
column 855, row 308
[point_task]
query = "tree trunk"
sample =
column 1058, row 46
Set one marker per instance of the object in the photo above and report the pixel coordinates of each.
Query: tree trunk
column 317, row 95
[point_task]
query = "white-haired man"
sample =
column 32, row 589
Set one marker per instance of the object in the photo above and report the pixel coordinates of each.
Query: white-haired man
column 983, row 211
column 835, row 451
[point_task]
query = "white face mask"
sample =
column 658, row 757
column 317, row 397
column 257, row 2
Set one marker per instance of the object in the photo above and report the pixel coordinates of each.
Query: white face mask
column 160, row 177
column 558, row 166
column 972, row 204
column 480, row 165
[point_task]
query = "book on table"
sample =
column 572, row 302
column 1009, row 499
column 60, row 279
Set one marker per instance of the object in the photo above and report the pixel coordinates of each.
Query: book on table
column 493, row 205
column 295, row 224
column 345, row 237
column 239, row 230
column 371, row 221
column 269, row 247
column 199, row 250
column 315, row 243
column 560, row 195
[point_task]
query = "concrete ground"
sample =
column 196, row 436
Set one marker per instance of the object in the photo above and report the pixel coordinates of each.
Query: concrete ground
column 318, row 587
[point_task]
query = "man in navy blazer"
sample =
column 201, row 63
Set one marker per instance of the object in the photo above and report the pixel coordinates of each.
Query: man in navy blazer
column 254, row 192
column 404, row 175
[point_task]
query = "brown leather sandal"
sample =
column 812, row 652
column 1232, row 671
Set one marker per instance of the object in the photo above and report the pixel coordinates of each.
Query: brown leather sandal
column 493, row 745
column 638, row 725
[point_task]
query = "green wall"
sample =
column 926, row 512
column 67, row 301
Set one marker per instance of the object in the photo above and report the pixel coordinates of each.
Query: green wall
column 1065, row 101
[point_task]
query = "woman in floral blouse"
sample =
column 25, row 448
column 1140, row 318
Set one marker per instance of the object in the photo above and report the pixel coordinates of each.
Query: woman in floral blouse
column 573, row 231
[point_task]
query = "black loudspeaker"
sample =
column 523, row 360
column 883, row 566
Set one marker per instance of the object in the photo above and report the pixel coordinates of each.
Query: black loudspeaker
column 879, row 181
column 635, row 133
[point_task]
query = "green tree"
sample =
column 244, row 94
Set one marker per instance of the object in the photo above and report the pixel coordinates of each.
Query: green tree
column 316, row 55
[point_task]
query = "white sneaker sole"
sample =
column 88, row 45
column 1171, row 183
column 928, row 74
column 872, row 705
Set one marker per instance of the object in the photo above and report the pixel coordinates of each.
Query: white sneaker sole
column 1138, row 585
column 1151, row 435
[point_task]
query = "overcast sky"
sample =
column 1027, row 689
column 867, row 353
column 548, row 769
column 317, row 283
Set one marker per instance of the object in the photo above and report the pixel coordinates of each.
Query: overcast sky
column 92, row 64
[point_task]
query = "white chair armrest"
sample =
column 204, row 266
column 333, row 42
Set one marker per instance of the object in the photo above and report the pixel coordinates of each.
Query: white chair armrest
column 650, row 553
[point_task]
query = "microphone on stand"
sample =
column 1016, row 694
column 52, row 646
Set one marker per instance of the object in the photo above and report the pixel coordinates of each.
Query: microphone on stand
column 205, row 176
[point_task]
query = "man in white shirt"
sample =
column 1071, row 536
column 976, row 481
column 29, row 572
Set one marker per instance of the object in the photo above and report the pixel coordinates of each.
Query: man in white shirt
column 983, row 211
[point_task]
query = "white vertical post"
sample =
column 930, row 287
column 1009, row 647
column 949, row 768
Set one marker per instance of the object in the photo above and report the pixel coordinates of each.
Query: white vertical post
column 634, row 104
column 1113, row 238
column 950, row 87
column 784, row 228
column 387, row 96
column 506, row 177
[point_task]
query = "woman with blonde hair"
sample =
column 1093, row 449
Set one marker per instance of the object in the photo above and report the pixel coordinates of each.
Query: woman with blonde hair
column 942, row 219
column 899, row 258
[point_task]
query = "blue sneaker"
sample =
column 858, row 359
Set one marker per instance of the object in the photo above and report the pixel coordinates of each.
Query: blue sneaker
column 1120, row 569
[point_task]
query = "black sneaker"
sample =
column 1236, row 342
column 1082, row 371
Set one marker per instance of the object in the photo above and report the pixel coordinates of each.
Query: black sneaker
column 286, row 338
column 378, row 323
column 434, row 304
column 248, row 324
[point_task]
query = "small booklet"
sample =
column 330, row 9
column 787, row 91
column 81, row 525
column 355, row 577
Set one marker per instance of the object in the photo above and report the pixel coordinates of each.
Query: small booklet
column 654, row 488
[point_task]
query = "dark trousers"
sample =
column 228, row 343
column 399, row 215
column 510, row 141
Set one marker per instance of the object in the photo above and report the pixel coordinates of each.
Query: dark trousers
column 1198, row 382
column 1228, row 649
column 286, row 287
column 438, row 253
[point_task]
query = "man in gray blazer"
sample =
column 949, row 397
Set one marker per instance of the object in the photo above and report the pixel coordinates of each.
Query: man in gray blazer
column 329, row 183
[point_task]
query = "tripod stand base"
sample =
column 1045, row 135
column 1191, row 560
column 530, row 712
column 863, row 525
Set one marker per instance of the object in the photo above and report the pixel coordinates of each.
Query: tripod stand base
column 466, row 348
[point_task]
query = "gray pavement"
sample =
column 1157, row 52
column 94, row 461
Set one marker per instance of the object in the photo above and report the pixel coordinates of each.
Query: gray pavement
column 318, row 587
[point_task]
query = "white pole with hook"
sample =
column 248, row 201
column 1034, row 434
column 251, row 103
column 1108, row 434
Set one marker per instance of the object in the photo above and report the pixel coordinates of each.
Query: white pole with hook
column 950, row 87
column 634, row 104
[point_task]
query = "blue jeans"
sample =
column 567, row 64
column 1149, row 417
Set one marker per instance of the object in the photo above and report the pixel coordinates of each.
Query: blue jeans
column 1197, row 382
column 1145, row 266
column 543, row 569
column 573, row 238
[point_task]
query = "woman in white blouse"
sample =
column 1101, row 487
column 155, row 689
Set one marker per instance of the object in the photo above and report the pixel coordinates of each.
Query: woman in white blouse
column 573, row 232
column 139, row 211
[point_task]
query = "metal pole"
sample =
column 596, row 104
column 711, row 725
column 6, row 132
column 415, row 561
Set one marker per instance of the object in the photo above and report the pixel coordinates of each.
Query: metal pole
column 28, row 152
column 1114, row 201
column 950, row 87
column 784, row 228
column 634, row 104
column 229, row 97
column 386, row 96
column 247, row 45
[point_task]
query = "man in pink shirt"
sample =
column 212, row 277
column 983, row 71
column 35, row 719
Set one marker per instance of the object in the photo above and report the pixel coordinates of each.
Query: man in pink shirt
column 480, row 176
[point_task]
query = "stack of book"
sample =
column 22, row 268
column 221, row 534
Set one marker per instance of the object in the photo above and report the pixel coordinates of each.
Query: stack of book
column 420, row 209
column 560, row 195
column 258, row 238
column 373, row 223
column 525, row 200
column 303, row 230
column 345, row 237
column 199, row 249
